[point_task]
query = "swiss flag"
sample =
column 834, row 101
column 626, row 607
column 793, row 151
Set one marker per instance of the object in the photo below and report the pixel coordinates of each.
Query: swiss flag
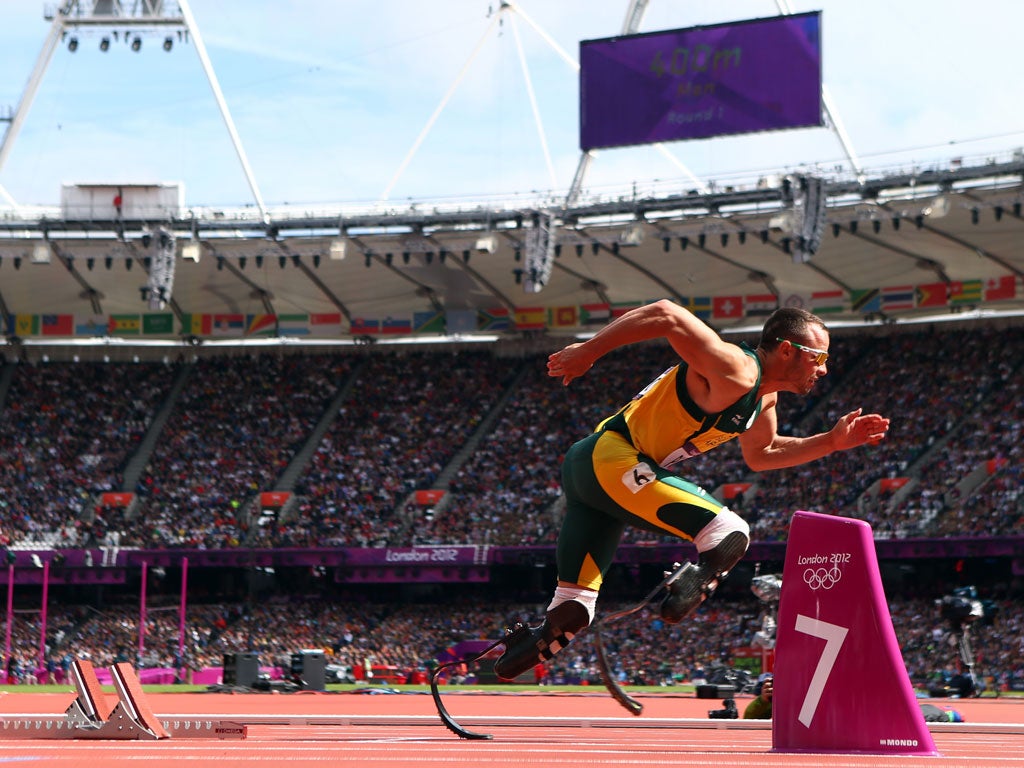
column 727, row 306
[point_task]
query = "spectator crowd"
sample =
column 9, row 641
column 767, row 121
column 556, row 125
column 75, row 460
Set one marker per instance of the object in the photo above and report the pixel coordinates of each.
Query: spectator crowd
column 355, row 435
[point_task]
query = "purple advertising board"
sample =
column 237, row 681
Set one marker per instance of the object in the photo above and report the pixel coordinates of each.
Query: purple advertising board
column 699, row 82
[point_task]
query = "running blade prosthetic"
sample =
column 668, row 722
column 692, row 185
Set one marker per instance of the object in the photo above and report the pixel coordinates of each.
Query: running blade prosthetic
column 526, row 647
column 693, row 583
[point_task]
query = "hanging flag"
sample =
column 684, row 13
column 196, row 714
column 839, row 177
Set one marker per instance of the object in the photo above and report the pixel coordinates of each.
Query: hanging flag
column 124, row 325
column 760, row 304
column 293, row 325
column 26, row 325
column 932, row 295
column 228, row 325
column 829, row 302
column 459, row 321
column 1000, row 288
column 530, row 318
column 727, row 307
column 698, row 305
column 868, row 300
column 432, row 322
column 965, row 292
column 897, row 297
column 365, row 326
column 493, row 319
column 196, row 325
column 396, row 325
column 622, row 307
column 260, row 325
column 563, row 317
column 90, row 325
column 57, row 325
column 595, row 314
column 158, row 324
column 325, row 323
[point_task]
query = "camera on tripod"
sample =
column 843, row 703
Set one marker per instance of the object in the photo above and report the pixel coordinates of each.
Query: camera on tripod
column 727, row 712
column 961, row 610
column 961, row 607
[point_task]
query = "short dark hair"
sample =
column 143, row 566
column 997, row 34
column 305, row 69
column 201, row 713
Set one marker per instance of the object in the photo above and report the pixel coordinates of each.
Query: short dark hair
column 787, row 323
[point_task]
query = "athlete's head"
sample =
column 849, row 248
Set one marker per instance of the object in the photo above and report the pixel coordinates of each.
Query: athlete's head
column 796, row 342
column 791, row 324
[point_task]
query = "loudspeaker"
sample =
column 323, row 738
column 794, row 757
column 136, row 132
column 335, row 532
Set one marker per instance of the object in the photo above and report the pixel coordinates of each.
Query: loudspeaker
column 241, row 669
column 309, row 669
column 715, row 691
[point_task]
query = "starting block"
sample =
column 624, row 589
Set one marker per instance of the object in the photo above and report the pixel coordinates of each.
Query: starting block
column 841, row 684
column 93, row 715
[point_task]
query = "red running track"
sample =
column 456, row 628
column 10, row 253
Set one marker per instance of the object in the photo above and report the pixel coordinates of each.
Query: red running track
column 535, row 729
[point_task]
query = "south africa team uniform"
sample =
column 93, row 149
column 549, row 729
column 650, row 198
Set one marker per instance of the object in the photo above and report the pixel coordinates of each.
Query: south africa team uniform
column 626, row 472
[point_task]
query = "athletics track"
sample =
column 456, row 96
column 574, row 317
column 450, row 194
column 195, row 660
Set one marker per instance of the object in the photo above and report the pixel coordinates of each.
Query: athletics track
column 545, row 729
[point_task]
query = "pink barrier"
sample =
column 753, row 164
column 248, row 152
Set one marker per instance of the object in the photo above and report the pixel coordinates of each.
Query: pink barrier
column 208, row 676
column 169, row 676
column 215, row 675
column 840, row 681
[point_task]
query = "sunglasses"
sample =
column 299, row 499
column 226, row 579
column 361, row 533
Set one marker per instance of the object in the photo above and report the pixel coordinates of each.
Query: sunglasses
column 820, row 355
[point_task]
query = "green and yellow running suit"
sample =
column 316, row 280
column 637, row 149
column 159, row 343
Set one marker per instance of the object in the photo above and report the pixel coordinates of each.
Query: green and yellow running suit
column 626, row 472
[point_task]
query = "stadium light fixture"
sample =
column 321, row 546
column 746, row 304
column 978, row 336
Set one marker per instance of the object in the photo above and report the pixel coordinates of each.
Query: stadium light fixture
column 105, row 44
column 487, row 244
column 339, row 248
column 137, row 44
column 191, row 250
column 41, row 253
column 168, row 44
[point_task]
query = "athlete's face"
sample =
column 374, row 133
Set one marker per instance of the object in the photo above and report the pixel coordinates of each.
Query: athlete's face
column 809, row 359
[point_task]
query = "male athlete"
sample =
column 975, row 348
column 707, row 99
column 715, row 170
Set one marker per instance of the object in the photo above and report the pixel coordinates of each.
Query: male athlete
column 626, row 472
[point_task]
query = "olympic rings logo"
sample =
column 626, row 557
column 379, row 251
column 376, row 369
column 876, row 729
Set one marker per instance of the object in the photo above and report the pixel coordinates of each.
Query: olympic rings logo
column 822, row 578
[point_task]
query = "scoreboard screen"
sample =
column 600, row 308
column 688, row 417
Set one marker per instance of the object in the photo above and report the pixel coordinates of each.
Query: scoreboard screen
column 700, row 82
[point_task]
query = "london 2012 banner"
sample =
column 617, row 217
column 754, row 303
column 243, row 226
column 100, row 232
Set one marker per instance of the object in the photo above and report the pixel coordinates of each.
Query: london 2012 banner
column 699, row 82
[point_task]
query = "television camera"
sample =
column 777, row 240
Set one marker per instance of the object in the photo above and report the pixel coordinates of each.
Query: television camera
column 961, row 609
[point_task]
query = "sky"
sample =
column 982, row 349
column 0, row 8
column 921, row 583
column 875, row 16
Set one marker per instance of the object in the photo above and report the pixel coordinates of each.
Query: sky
column 404, row 101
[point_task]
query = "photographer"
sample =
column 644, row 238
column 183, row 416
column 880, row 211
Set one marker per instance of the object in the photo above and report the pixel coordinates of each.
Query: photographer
column 761, row 706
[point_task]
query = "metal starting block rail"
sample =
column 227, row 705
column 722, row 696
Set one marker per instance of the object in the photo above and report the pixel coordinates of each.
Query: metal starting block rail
column 92, row 715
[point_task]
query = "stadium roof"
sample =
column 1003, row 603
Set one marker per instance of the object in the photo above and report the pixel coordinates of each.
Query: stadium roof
column 894, row 247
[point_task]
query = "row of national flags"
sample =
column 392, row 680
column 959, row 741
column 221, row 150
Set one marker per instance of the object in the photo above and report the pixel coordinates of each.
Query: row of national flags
column 467, row 321
column 894, row 298
column 952, row 294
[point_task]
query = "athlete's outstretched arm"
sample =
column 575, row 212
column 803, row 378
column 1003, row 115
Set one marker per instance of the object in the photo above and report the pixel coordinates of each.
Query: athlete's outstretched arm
column 764, row 449
column 689, row 336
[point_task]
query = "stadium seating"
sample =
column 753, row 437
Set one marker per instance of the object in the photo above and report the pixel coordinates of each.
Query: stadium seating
column 489, row 430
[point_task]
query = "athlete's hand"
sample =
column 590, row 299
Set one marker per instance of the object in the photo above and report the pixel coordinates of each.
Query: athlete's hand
column 856, row 428
column 569, row 363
